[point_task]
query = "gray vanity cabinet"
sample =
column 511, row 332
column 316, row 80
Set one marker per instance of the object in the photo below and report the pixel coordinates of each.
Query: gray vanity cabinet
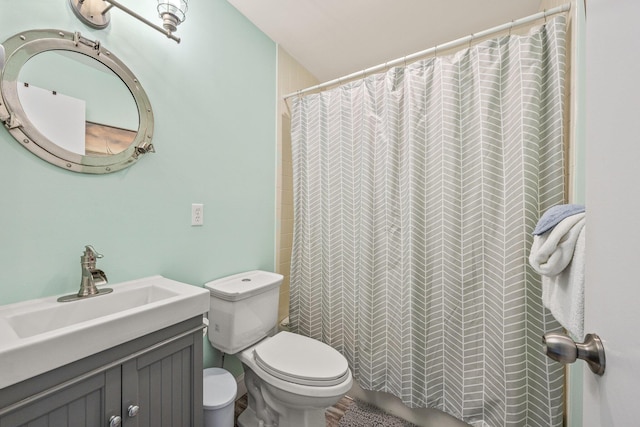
column 160, row 384
column 83, row 404
column 154, row 381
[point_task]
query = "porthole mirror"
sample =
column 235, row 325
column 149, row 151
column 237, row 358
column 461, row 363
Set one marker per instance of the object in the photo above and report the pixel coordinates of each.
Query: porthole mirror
column 72, row 102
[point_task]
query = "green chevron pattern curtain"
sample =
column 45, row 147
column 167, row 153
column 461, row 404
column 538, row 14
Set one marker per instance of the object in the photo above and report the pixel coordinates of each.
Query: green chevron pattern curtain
column 415, row 195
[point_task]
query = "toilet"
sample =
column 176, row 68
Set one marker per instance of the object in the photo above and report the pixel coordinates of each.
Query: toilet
column 291, row 379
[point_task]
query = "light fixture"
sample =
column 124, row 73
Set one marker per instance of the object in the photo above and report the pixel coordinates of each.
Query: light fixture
column 172, row 13
column 95, row 13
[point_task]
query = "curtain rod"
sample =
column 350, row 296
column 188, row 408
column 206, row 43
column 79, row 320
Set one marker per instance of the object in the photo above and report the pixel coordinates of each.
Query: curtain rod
column 446, row 46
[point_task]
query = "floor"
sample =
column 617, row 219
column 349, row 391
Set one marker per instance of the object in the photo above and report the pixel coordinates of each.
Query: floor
column 333, row 414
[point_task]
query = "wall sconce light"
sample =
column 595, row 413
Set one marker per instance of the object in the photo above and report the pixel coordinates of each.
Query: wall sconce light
column 95, row 13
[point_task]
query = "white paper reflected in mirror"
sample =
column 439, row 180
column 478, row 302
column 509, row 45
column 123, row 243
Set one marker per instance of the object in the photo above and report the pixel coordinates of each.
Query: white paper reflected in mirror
column 59, row 117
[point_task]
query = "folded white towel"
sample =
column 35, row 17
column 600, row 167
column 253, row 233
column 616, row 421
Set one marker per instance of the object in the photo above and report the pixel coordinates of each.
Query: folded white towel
column 551, row 252
column 558, row 256
column 563, row 294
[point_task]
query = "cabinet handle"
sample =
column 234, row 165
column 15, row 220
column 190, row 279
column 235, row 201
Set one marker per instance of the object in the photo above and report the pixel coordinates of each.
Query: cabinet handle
column 133, row 410
column 115, row 421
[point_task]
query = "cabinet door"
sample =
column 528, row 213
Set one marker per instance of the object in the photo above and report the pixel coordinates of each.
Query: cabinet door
column 165, row 385
column 86, row 403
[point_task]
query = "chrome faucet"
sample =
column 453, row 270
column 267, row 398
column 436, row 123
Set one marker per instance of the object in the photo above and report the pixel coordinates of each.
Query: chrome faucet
column 91, row 277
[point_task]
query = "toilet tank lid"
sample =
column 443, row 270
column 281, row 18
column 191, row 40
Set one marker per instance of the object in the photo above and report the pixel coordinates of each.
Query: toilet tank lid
column 243, row 285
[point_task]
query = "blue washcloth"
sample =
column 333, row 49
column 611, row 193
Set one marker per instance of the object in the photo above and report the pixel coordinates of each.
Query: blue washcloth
column 554, row 215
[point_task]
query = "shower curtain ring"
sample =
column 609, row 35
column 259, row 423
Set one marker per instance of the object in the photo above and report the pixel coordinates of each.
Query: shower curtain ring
column 471, row 40
column 545, row 16
column 511, row 27
column 435, row 51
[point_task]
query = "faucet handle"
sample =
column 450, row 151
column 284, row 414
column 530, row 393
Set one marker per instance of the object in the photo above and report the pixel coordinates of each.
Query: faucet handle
column 91, row 252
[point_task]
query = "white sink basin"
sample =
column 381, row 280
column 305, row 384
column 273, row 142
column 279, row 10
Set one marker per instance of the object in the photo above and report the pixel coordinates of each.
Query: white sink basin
column 39, row 335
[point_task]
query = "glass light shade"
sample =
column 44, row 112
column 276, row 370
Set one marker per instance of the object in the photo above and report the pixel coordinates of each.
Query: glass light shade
column 172, row 13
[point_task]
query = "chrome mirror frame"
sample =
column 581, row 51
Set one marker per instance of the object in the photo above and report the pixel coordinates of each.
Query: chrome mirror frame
column 21, row 47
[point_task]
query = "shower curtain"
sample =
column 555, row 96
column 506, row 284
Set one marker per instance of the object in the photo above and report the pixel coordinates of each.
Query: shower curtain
column 415, row 194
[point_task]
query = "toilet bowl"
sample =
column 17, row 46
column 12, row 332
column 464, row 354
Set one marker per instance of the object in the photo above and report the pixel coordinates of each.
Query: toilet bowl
column 291, row 379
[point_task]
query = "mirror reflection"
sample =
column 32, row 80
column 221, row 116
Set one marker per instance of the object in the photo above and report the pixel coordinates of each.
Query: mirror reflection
column 78, row 103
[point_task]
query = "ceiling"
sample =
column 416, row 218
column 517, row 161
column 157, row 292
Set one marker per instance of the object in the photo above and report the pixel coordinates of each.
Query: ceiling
column 333, row 38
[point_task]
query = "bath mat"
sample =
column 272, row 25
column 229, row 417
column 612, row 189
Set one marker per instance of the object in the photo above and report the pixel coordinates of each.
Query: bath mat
column 361, row 414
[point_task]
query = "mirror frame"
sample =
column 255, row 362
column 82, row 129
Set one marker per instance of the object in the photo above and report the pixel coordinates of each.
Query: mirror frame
column 22, row 47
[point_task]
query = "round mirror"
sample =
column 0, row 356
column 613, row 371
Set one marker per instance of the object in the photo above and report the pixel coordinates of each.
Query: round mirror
column 78, row 103
column 73, row 103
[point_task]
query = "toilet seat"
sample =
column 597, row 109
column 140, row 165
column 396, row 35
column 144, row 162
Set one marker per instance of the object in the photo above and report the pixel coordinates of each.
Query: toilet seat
column 301, row 360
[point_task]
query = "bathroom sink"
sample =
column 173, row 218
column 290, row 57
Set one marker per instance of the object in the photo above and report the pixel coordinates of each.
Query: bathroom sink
column 43, row 334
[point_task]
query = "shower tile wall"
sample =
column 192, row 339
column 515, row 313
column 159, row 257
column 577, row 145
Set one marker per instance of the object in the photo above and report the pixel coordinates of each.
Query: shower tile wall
column 291, row 77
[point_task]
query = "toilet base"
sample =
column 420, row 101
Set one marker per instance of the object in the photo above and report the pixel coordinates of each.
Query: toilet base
column 248, row 419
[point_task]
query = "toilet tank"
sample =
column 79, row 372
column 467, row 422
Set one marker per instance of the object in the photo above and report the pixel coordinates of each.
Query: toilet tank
column 243, row 309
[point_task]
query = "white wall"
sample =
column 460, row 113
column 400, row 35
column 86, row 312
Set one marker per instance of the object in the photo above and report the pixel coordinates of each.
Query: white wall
column 613, row 160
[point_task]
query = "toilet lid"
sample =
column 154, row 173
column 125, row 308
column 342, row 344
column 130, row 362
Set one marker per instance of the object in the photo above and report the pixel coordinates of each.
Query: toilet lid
column 301, row 360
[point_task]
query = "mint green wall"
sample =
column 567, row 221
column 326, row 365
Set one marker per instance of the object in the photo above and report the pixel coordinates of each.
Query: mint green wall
column 213, row 97
column 576, row 371
column 579, row 124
